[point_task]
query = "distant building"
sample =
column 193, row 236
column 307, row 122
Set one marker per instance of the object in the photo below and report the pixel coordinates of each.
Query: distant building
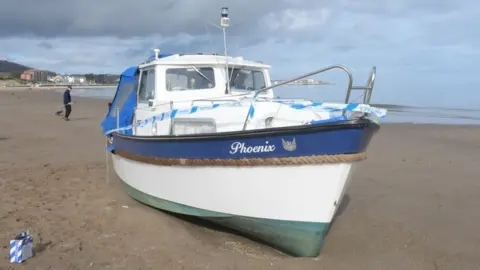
column 58, row 79
column 27, row 75
column 74, row 79
column 34, row 75
column 68, row 79
column 55, row 79
column 79, row 79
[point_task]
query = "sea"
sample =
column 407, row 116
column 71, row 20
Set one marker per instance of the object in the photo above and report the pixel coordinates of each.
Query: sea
column 397, row 113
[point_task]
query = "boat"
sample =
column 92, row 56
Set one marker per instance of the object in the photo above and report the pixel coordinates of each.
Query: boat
column 204, row 135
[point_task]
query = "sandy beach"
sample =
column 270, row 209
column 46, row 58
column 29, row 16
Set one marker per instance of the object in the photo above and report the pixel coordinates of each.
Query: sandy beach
column 413, row 204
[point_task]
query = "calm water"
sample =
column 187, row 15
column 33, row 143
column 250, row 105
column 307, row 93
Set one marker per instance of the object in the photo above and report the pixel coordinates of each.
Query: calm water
column 396, row 113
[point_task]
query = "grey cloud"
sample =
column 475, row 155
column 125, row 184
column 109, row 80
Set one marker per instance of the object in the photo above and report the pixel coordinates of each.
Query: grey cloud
column 141, row 18
column 166, row 19
column 145, row 49
column 45, row 45
column 400, row 8
column 201, row 44
column 139, row 49
column 121, row 18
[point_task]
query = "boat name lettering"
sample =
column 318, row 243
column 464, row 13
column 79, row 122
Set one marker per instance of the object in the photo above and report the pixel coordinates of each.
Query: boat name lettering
column 240, row 147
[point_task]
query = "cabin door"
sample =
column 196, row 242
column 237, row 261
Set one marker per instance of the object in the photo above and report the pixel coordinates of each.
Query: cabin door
column 145, row 100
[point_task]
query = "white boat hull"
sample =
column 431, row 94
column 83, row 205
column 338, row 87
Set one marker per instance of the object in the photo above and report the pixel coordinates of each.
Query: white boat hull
column 306, row 193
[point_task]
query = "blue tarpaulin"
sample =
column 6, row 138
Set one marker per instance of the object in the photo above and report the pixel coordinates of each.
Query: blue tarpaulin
column 125, row 100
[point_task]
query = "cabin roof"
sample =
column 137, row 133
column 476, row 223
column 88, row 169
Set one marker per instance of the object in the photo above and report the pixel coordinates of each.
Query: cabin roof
column 200, row 59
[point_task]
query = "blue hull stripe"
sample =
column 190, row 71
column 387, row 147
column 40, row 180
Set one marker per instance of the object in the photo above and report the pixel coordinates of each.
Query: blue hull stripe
column 347, row 139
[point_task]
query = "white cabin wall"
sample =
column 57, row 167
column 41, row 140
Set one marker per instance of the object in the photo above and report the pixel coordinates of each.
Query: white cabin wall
column 183, row 99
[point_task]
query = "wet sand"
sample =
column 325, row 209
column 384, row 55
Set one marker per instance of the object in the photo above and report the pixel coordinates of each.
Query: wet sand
column 413, row 204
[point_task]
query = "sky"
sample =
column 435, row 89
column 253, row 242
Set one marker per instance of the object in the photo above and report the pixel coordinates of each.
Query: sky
column 426, row 51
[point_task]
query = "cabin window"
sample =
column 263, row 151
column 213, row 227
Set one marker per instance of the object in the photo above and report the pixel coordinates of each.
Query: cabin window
column 243, row 79
column 147, row 86
column 193, row 78
column 123, row 93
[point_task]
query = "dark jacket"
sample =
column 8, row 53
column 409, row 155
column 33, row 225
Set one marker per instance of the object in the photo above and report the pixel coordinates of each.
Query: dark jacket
column 66, row 97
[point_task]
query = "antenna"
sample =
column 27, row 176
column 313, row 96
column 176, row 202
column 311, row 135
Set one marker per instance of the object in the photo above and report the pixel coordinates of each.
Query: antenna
column 224, row 23
column 156, row 51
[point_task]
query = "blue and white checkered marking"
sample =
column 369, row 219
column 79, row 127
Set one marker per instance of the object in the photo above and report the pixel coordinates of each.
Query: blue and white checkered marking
column 326, row 106
column 21, row 248
column 322, row 106
column 171, row 115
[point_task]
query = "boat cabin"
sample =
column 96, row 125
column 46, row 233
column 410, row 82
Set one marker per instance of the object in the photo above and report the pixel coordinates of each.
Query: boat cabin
column 186, row 77
column 178, row 81
column 198, row 93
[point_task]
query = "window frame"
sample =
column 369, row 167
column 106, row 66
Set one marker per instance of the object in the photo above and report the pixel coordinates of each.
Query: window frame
column 252, row 73
column 149, row 71
column 214, row 81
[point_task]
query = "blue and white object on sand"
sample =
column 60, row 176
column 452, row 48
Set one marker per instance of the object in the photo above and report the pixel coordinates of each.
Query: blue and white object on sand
column 21, row 248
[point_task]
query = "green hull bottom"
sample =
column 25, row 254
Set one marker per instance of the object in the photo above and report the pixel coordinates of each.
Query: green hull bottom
column 295, row 238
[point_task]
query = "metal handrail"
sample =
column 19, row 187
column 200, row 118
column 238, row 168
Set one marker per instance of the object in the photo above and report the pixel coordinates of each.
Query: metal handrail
column 345, row 69
column 370, row 84
column 214, row 100
column 350, row 78
column 368, row 88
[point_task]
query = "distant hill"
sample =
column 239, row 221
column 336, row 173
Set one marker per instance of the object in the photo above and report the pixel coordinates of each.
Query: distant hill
column 12, row 68
column 12, row 71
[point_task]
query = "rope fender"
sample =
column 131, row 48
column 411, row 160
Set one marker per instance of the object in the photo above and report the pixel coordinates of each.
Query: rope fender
column 302, row 160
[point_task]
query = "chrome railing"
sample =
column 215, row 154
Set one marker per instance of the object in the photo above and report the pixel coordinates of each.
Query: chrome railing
column 367, row 88
column 236, row 101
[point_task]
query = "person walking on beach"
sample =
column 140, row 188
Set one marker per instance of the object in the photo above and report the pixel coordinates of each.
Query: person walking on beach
column 67, row 103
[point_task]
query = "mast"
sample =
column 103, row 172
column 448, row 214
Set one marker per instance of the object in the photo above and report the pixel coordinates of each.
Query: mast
column 224, row 23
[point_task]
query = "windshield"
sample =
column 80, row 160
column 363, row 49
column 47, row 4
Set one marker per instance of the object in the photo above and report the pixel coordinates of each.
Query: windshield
column 244, row 79
column 190, row 78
